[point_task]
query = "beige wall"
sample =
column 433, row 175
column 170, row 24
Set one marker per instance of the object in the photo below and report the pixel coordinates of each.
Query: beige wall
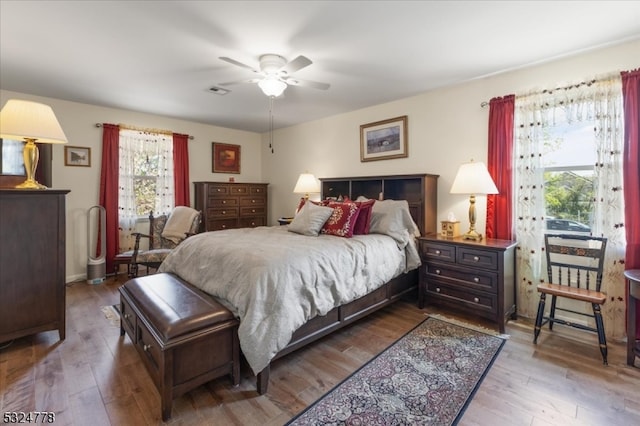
column 78, row 122
column 447, row 127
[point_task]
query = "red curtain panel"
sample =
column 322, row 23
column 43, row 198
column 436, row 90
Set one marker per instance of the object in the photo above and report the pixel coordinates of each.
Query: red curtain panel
column 500, row 165
column 181, row 169
column 109, row 174
column 631, row 171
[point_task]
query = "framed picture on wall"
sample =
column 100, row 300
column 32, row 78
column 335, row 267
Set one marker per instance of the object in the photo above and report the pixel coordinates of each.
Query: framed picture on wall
column 226, row 158
column 384, row 139
column 77, row 156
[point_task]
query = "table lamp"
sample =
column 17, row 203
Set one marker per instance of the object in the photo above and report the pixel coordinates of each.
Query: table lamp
column 33, row 122
column 307, row 183
column 473, row 178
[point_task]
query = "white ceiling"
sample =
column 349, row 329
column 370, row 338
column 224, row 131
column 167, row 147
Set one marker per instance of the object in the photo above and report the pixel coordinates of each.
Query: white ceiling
column 161, row 57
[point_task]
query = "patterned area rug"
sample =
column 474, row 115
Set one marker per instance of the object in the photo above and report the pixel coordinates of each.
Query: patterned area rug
column 426, row 378
column 112, row 314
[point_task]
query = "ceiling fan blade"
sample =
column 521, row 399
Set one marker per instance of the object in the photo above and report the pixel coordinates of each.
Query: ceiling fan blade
column 296, row 64
column 239, row 64
column 229, row 83
column 307, row 83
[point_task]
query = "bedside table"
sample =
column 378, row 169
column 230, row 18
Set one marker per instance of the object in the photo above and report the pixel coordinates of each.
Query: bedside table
column 475, row 276
column 285, row 220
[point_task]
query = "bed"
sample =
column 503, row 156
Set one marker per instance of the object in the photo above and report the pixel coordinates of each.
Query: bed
column 289, row 288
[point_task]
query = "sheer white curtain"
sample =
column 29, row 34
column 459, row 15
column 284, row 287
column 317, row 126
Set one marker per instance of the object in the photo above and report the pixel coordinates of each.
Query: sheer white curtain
column 598, row 103
column 136, row 146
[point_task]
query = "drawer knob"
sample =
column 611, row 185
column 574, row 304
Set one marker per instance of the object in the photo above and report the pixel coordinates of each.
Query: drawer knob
column 224, row 201
column 476, row 258
column 127, row 316
column 224, row 212
column 437, row 251
column 438, row 271
column 437, row 289
column 476, row 279
column 224, row 226
column 219, row 189
column 475, row 299
column 253, row 210
column 253, row 224
column 253, row 201
column 257, row 190
column 146, row 348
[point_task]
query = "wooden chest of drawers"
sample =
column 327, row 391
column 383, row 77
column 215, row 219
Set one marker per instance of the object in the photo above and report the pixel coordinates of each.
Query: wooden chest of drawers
column 227, row 205
column 477, row 277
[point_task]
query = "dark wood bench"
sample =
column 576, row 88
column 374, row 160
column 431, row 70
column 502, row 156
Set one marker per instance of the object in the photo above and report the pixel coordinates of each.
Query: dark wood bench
column 184, row 337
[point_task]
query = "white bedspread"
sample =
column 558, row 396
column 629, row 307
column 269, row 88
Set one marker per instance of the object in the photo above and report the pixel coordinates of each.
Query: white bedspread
column 275, row 280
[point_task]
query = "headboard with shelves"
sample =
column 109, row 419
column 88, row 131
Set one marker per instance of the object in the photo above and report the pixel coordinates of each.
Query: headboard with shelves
column 420, row 191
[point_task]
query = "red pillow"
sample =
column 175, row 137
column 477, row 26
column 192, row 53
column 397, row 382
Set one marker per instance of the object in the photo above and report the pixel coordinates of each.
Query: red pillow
column 303, row 200
column 363, row 222
column 300, row 204
column 342, row 220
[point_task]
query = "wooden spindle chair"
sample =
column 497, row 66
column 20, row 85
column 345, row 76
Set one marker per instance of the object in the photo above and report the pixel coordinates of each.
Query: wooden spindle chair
column 574, row 268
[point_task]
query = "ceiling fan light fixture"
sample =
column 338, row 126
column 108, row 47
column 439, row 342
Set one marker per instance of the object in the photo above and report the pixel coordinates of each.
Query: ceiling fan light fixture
column 272, row 86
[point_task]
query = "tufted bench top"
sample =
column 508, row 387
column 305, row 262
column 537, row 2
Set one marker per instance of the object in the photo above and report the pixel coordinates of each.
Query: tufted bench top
column 173, row 307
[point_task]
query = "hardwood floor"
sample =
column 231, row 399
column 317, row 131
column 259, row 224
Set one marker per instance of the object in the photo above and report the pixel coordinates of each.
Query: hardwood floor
column 96, row 377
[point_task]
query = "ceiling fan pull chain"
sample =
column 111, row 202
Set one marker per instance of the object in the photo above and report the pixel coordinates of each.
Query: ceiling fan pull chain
column 271, row 123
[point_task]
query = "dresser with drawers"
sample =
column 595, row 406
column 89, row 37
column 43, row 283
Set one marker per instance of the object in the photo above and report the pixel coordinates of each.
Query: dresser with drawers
column 32, row 262
column 227, row 205
column 477, row 277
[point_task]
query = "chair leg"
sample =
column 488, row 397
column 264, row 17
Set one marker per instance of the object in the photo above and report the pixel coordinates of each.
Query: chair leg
column 602, row 338
column 134, row 271
column 536, row 331
column 552, row 312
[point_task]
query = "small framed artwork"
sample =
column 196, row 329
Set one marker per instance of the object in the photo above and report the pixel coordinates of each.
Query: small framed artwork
column 383, row 140
column 77, row 156
column 226, row 158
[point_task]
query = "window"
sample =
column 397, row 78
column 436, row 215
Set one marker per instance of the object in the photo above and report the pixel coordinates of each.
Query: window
column 568, row 179
column 145, row 179
column 569, row 158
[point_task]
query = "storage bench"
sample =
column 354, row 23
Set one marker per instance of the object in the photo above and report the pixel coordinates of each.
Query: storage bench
column 184, row 337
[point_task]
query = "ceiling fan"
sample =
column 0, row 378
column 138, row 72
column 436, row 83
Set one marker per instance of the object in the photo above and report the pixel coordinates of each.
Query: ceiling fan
column 276, row 74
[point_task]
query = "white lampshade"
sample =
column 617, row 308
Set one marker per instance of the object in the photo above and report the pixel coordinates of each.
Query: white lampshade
column 272, row 86
column 473, row 178
column 33, row 122
column 307, row 183
column 30, row 120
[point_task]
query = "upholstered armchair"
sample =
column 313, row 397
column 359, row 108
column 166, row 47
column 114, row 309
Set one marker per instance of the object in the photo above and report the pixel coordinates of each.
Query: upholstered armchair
column 165, row 234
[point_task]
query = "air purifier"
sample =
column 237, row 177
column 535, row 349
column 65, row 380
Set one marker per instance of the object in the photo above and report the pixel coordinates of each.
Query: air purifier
column 96, row 245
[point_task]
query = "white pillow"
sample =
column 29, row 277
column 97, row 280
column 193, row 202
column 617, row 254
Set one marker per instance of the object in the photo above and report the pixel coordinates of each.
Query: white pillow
column 310, row 219
column 392, row 217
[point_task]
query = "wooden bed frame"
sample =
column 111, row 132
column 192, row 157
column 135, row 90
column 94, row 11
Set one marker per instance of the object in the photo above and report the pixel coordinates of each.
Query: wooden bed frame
column 420, row 191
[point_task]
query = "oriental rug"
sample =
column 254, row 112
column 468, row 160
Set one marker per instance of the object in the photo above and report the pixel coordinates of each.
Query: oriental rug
column 427, row 377
column 112, row 314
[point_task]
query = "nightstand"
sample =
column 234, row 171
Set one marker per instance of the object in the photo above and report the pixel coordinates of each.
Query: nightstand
column 477, row 277
column 285, row 220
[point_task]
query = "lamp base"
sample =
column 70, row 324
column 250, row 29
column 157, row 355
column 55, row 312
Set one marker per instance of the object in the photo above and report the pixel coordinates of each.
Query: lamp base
column 30, row 155
column 30, row 184
column 472, row 235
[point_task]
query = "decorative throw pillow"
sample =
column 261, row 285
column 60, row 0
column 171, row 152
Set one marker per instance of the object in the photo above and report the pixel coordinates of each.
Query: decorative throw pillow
column 300, row 204
column 342, row 219
column 309, row 220
column 317, row 203
column 392, row 217
column 363, row 221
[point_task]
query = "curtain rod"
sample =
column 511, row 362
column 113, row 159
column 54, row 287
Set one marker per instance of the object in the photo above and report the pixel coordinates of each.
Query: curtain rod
column 571, row 86
column 142, row 129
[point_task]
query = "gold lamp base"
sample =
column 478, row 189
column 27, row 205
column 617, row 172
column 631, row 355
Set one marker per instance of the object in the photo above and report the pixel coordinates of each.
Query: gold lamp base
column 31, row 184
column 30, row 156
column 471, row 234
